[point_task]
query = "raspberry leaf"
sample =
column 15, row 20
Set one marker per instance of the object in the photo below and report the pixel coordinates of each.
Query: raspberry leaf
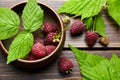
column 9, row 23
column 94, row 67
column 32, row 16
column 114, row 10
column 83, row 78
column 20, row 46
column 91, row 66
column 96, row 72
column 83, row 8
column 100, row 26
column 85, row 58
column 114, row 67
column 88, row 23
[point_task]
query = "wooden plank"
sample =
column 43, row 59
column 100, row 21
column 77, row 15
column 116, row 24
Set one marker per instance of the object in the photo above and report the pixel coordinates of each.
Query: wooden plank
column 9, row 72
column 112, row 29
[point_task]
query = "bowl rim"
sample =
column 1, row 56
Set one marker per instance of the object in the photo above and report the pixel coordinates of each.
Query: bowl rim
column 62, row 35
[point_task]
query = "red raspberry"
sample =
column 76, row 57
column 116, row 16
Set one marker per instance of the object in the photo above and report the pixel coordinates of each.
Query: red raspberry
column 31, row 57
column 36, row 40
column 49, row 39
column 65, row 65
column 48, row 27
column 91, row 38
column 38, row 50
column 50, row 49
column 77, row 28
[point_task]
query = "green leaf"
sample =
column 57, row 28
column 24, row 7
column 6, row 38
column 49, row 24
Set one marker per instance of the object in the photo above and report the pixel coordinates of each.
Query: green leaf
column 84, row 8
column 83, row 78
column 98, row 72
column 100, row 26
column 114, row 10
column 114, row 67
column 32, row 16
column 20, row 46
column 9, row 23
column 92, row 67
column 85, row 58
column 88, row 23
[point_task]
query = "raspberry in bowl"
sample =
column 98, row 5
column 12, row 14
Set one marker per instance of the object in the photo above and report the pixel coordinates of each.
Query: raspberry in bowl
column 46, row 46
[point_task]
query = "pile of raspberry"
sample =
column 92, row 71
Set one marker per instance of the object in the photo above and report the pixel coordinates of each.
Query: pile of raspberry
column 44, row 46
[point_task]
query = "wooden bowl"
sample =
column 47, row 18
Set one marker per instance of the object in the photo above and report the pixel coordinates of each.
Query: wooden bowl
column 50, row 15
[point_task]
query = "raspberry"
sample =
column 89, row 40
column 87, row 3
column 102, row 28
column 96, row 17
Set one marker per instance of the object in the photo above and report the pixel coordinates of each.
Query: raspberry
column 77, row 28
column 48, row 27
column 104, row 41
column 49, row 39
column 38, row 50
column 50, row 49
column 36, row 40
column 65, row 65
column 91, row 38
column 31, row 57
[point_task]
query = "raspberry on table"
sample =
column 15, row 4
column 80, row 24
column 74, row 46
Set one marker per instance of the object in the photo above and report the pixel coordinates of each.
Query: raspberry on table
column 77, row 28
column 91, row 38
column 104, row 41
column 65, row 65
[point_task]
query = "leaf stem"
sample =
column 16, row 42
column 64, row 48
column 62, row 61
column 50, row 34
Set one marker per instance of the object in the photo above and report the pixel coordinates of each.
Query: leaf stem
column 94, row 24
column 73, row 17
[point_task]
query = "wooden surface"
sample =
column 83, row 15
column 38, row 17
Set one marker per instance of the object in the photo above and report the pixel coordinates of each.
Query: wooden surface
column 9, row 72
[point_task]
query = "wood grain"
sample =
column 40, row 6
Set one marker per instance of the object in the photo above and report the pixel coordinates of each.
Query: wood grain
column 9, row 72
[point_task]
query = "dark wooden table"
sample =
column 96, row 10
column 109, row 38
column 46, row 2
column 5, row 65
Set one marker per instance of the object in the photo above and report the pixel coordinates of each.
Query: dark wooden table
column 9, row 72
